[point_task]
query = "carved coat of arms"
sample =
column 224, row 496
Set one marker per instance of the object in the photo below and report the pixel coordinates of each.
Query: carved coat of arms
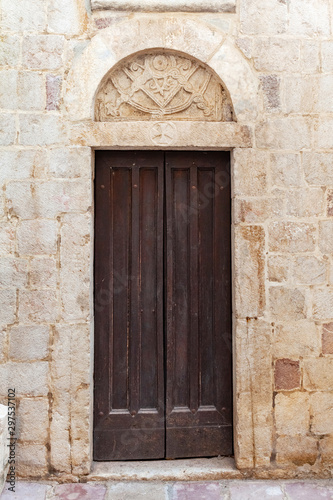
column 164, row 86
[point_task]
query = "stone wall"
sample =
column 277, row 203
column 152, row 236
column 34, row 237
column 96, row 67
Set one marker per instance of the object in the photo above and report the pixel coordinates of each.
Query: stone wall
column 52, row 54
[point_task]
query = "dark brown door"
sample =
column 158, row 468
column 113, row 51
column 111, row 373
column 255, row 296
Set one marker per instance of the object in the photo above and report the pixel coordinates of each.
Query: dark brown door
column 163, row 383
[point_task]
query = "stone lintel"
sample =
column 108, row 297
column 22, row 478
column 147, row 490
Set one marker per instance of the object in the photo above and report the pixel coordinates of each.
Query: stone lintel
column 162, row 135
column 166, row 5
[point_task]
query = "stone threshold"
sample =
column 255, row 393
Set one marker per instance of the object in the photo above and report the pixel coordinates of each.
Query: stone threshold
column 195, row 469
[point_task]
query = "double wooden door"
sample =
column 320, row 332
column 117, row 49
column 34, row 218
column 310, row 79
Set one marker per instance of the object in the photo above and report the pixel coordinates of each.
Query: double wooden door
column 163, row 380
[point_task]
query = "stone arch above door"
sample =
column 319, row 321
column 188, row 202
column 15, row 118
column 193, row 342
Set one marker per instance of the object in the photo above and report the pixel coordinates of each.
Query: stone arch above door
column 191, row 37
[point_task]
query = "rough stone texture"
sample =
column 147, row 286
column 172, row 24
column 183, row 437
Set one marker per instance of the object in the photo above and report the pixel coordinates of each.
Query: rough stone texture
column 275, row 59
column 287, row 375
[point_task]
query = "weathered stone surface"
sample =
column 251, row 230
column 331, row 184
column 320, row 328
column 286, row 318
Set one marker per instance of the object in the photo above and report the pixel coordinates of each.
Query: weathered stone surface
column 70, row 162
column 246, row 490
column 326, row 447
column 23, row 489
column 32, row 460
column 329, row 202
column 292, row 413
column 318, row 374
column 310, row 271
column 23, row 15
column 309, row 19
column 257, row 210
column 8, row 89
column 140, row 491
column 81, row 430
column 327, row 56
column 53, row 92
column 7, row 129
column 287, row 374
column 317, row 168
column 38, row 306
column 37, row 237
column 327, row 338
column 41, row 130
column 48, row 199
column 278, row 267
column 82, row 491
column 306, row 491
column 28, row 342
column 301, row 94
column 7, row 238
column 287, row 303
column 30, row 88
column 284, row 133
column 43, row 273
column 29, row 379
column 305, row 202
column 9, row 50
column 33, row 420
column 256, row 19
column 20, row 164
column 13, row 273
column 271, row 88
column 295, row 339
column 43, row 51
column 296, row 450
column 321, row 404
column 250, row 172
column 326, row 236
column 277, row 54
column 8, row 306
column 311, row 62
column 249, row 275
column 323, row 303
column 292, row 237
column 66, row 17
column 323, row 133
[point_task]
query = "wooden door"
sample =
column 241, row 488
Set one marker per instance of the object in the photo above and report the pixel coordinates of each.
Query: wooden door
column 162, row 305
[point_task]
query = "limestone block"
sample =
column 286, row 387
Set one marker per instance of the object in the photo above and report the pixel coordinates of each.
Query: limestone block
column 326, row 236
column 256, row 18
column 327, row 338
column 18, row 164
column 305, row 202
column 41, row 130
column 278, row 267
column 287, row 303
column 7, row 238
column 310, row 56
column 301, row 94
column 327, row 56
column 70, row 162
column 66, row 17
column 243, row 444
column 330, row 202
column 38, row 306
column 27, row 343
column 43, row 51
column 292, row 413
column 256, row 210
column 13, row 273
column 23, row 15
column 74, row 274
column 250, row 172
column 31, row 93
column 284, row 133
column 32, row 460
column 326, row 450
column 286, row 169
column 323, row 303
column 249, row 271
column 276, row 54
column 308, row 18
column 7, row 129
column 292, row 237
column 310, row 271
column 323, row 132
column 321, row 404
column 33, row 420
column 318, row 168
column 80, row 356
column 297, row 450
column 10, row 50
column 37, row 237
column 318, row 374
column 287, row 374
column 29, row 379
column 80, row 431
column 53, row 92
column 48, row 199
column 8, row 306
column 325, row 104
column 295, row 339
column 8, row 89
column 270, row 85
column 43, row 273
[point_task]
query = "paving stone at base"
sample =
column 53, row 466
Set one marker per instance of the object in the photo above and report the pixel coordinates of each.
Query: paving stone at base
column 79, row 491
column 25, row 491
column 309, row 491
column 255, row 490
column 196, row 491
column 138, row 491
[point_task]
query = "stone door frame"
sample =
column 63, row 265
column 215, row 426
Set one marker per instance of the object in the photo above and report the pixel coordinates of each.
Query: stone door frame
column 209, row 46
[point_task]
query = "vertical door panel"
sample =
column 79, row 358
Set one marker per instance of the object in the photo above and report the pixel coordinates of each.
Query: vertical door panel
column 198, row 316
column 129, row 379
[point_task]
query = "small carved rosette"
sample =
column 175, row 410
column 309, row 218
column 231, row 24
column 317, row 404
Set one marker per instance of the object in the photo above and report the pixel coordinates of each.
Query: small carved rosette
column 162, row 86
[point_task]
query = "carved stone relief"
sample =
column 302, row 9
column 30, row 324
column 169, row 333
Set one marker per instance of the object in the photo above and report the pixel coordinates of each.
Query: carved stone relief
column 162, row 86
